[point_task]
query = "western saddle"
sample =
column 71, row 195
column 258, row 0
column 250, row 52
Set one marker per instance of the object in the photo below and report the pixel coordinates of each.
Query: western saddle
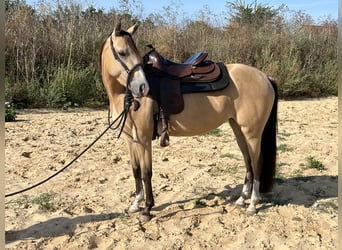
column 169, row 80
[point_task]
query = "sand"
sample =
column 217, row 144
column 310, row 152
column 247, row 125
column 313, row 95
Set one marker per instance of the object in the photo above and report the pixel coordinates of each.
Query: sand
column 196, row 182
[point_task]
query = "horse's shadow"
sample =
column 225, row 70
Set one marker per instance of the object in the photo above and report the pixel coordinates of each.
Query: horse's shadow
column 298, row 190
column 56, row 227
column 304, row 190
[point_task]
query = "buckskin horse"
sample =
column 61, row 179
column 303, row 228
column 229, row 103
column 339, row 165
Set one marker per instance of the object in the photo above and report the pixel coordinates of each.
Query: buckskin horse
column 248, row 103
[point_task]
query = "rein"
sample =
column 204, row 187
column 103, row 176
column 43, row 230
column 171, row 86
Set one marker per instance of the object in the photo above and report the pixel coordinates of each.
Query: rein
column 122, row 117
column 128, row 101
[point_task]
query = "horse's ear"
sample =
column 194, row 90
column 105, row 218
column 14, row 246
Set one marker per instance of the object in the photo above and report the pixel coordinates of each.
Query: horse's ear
column 134, row 28
column 117, row 28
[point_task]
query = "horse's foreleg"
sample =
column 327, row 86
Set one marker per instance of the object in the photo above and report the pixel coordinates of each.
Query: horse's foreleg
column 147, row 179
column 139, row 190
column 140, row 147
column 146, row 176
column 141, row 159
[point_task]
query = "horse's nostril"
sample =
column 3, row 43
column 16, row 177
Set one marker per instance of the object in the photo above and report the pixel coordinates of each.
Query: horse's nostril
column 144, row 89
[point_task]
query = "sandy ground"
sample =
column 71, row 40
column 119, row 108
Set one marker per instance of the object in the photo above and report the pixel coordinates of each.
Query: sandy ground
column 196, row 181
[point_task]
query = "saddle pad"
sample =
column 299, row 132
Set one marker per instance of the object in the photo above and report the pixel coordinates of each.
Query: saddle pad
column 195, row 87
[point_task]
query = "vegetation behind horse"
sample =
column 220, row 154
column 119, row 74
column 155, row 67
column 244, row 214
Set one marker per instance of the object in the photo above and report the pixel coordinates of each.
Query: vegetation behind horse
column 51, row 54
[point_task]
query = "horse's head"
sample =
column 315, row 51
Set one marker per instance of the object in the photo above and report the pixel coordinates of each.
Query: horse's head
column 127, row 62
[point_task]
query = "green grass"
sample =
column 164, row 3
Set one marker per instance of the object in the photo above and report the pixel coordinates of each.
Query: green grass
column 45, row 201
column 215, row 132
column 281, row 164
column 284, row 148
column 198, row 202
column 229, row 155
column 299, row 172
column 201, row 165
column 222, row 169
column 315, row 164
column 283, row 135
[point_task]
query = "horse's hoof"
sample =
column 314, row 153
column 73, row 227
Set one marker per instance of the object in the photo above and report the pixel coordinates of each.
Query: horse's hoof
column 164, row 144
column 145, row 218
column 133, row 209
column 251, row 211
column 240, row 202
column 246, row 195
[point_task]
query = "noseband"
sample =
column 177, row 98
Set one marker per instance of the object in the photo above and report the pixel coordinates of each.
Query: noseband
column 130, row 72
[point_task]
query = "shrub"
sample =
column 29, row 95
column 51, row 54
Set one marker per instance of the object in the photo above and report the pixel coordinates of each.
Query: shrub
column 71, row 87
column 53, row 63
column 10, row 113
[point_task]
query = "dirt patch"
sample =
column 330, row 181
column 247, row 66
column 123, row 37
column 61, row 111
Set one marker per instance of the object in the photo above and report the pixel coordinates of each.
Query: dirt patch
column 196, row 181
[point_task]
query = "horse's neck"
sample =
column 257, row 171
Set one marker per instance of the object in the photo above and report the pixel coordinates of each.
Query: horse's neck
column 117, row 101
column 116, row 94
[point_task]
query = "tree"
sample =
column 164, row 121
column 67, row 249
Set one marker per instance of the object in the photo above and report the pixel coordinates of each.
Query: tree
column 254, row 13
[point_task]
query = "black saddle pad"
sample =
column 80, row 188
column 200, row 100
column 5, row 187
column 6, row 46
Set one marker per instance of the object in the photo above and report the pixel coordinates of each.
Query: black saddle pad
column 195, row 87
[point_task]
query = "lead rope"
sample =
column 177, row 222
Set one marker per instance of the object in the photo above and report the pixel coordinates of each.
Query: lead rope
column 129, row 99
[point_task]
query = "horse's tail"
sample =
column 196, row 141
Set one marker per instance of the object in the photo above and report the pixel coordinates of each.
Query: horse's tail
column 269, row 146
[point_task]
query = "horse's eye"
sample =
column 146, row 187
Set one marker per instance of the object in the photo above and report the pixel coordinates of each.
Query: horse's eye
column 122, row 53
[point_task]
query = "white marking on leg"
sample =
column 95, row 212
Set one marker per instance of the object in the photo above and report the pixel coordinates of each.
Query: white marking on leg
column 246, row 190
column 246, row 193
column 135, row 205
column 255, row 198
column 240, row 201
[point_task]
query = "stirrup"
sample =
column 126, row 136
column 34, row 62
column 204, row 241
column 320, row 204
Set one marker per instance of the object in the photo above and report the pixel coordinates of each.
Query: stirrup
column 164, row 137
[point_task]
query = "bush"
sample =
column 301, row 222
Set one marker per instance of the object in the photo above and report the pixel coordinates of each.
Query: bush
column 53, row 63
column 10, row 113
column 71, row 87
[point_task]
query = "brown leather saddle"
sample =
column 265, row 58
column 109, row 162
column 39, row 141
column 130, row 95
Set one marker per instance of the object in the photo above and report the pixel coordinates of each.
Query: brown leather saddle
column 170, row 80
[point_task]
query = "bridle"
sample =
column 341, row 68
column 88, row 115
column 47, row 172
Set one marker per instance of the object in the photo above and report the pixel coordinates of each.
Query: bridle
column 129, row 98
column 130, row 72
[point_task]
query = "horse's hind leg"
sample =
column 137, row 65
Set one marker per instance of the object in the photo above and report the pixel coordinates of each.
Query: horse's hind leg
column 248, row 182
column 249, row 143
column 254, row 150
